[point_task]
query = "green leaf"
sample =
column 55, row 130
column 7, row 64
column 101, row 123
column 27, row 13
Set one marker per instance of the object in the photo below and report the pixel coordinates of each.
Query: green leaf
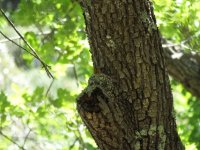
column 4, row 103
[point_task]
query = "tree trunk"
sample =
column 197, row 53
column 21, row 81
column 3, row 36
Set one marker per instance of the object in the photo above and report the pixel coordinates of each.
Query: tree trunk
column 128, row 103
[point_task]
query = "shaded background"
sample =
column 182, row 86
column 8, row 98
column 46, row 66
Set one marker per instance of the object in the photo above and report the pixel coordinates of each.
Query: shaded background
column 37, row 115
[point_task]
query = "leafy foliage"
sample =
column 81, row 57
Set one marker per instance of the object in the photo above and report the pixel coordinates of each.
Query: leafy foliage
column 187, row 114
column 56, row 31
column 194, row 121
column 4, row 104
column 179, row 21
column 57, row 34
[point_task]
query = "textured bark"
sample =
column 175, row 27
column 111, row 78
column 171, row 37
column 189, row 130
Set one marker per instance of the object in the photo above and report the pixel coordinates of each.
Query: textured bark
column 184, row 67
column 128, row 103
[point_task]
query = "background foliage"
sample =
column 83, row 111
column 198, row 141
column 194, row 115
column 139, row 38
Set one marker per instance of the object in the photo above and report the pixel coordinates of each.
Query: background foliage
column 31, row 117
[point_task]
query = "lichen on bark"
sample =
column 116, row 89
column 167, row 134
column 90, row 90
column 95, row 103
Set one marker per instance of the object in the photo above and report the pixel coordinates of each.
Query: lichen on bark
column 130, row 92
column 99, row 86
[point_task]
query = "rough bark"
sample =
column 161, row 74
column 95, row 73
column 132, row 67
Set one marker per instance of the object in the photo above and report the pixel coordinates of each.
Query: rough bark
column 183, row 66
column 128, row 103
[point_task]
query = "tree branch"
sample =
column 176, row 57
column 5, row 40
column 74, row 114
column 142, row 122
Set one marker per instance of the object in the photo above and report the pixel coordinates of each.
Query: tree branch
column 11, row 140
column 26, row 137
column 183, row 66
column 46, row 67
column 16, row 44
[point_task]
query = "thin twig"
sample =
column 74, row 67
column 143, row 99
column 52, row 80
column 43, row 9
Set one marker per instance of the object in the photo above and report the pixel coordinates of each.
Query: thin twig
column 76, row 75
column 49, row 87
column 73, row 144
column 80, row 138
column 27, row 135
column 45, row 66
column 16, row 43
column 9, row 139
column 29, row 53
column 190, row 38
column 182, row 43
column 11, row 39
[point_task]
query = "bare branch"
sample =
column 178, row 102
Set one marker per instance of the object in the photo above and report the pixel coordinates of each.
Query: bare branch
column 73, row 144
column 183, row 66
column 11, row 140
column 75, row 74
column 49, row 87
column 27, row 136
column 45, row 66
column 16, row 44
column 11, row 39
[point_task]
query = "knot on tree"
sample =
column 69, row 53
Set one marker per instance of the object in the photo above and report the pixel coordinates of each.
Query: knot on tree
column 98, row 92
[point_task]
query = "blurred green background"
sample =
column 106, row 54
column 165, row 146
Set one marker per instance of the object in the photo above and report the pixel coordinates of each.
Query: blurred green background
column 37, row 116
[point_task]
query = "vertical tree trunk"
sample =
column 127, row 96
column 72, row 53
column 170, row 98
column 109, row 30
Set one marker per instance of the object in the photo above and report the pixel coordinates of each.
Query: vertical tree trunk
column 128, row 104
